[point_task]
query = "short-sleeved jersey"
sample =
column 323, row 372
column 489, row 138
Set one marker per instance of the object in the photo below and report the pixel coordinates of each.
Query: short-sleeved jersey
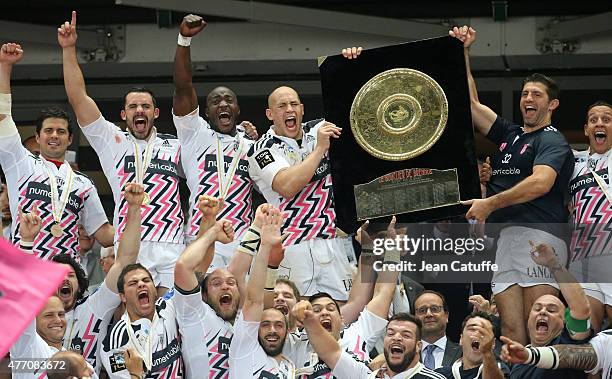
column 28, row 184
column 472, row 373
column 347, row 367
column 602, row 343
column 249, row 360
column 167, row 358
column 517, row 154
column 31, row 346
column 162, row 218
column 357, row 340
column 591, row 209
column 199, row 145
column 87, row 321
column 532, row 372
column 309, row 214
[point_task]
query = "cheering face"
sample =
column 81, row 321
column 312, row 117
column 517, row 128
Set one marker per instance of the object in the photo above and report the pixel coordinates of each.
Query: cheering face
column 470, row 341
column 286, row 112
column 400, row 345
column 68, row 290
column 139, row 114
column 222, row 294
column 430, row 310
column 222, row 110
column 54, row 138
column 328, row 314
column 272, row 331
column 139, row 294
column 599, row 128
column 535, row 105
column 545, row 320
column 284, row 300
column 51, row 321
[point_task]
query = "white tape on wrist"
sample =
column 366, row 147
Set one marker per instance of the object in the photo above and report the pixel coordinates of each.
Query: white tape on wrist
column 392, row 256
column 271, row 276
column 250, row 241
column 5, row 103
column 545, row 357
column 183, row 41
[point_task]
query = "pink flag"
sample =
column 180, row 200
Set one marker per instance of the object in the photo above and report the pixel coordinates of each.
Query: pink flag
column 26, row 283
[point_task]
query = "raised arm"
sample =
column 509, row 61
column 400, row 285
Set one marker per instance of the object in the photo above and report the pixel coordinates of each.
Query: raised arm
column 10, row 53
column 572, row 291
column 185, row 99
column 291, row 180
column 84, row 107
column 270, row 236
column 105, row 235
column 129, row 245
column 324, row 344
column 482, row 116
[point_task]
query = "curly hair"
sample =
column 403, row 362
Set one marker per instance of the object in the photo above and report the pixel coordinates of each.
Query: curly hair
column 78, row 271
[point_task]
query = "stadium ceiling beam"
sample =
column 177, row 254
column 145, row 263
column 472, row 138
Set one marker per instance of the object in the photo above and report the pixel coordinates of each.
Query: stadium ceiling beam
column 582, row 26
column 24, row 32
column 285, row 14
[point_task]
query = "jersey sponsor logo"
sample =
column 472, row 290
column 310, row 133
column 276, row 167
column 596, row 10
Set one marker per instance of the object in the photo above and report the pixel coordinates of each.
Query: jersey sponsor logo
column 583, row 182
column 264, row 158
column 506, row 158
column 42, row 192
column 157, row 166
column 167, row 356
column 210, row 163
column 502, row 146
column 524, row 148
column 117, row 362
column 507, row 171
column 321, row 171
column 166, row 143
column 224, row 344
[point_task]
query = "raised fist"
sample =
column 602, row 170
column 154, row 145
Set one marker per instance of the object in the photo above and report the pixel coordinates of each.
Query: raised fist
column 191, row 25
column 11, row 53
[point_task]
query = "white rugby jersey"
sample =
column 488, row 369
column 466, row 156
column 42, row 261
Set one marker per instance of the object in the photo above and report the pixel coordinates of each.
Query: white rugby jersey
column 357, row 340
column 602, row 343
column 167, row 362
column 249, row 360
column 87, row 321
column 162, row 218
column 591, row 209
column 30, row 346
column 309, row 214
column 199, row 148
column 28, row 184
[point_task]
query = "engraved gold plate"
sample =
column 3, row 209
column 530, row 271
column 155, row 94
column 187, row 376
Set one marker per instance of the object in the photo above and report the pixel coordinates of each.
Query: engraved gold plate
column 399, row 114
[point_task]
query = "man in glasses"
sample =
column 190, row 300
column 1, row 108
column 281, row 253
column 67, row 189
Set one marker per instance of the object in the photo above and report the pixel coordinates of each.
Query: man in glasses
column 436, row 350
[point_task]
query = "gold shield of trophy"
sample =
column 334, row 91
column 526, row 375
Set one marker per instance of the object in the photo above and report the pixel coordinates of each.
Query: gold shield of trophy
column 399, row 114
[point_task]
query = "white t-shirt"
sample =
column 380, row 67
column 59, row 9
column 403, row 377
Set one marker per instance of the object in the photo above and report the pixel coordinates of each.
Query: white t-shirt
column 167, row 359
column 249, row 360
column 88, row 321
column 199, row 146
column 162, row 218
column 602, row 343
column 28, row 184
column 309, row 214
column 357, row 340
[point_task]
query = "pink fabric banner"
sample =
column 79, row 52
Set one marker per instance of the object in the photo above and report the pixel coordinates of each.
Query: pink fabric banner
column 26, row 283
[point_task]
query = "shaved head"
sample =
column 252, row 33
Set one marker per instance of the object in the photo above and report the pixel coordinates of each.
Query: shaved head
column 279, row 91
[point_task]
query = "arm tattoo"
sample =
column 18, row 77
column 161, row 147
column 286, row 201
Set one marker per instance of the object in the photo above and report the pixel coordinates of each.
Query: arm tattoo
column 580, row 357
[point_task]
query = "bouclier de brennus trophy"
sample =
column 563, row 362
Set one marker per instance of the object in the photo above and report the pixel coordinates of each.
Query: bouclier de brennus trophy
column 407, row 144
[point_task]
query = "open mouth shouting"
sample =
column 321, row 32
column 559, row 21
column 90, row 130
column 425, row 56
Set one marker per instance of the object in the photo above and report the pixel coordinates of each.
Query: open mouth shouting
column 600, row 137
column 326, row 324
column 541, row 326
column 140, row 124
column 225, row 300
column 530, row 111
column 475, row 345
column 272, row 338
column 396, row 351
column 143, row 298
column 225, row 118
column 282, row 307
column 65, row 292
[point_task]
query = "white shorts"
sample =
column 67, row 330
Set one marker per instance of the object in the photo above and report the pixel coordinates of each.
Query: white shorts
column 319, row 265
column 514, row 259
column 595, row 276
column 159, row 258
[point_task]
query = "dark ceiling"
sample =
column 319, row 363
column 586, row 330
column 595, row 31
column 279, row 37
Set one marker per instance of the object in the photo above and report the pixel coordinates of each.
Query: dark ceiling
column 96, row 12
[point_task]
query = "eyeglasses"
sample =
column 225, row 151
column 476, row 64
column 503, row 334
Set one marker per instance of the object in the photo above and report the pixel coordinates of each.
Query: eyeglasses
column 434, row 309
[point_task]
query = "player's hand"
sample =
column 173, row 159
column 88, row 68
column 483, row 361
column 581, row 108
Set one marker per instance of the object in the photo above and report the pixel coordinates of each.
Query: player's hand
column 250, row 130
column 513, row 352
column 11, row 53
column 325, row 132
column 480, row 209
column 66, row 33
column 543, row 254
column 29, row 224
column 352, row 52
column 133, row 194
column 133, row 362
column 302, row 310
column 465, row 34
column 485, row 171
column 224, row 231
column 191, row 25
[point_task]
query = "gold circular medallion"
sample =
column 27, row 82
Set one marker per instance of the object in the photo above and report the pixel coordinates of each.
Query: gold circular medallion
column 146, row 199
column 56, row 230
column 399, row 114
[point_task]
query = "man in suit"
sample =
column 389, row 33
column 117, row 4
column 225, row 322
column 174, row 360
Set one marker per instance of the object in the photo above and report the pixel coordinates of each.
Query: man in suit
column 437, row 350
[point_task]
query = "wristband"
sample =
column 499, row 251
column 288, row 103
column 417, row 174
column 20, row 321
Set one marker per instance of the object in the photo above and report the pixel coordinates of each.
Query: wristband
column 392, row 256
column 271, row 276
column 576, row 326
column 183, row 41
column 543, row 357
column 250, row 242
column 26, row 246
column 5, row 104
